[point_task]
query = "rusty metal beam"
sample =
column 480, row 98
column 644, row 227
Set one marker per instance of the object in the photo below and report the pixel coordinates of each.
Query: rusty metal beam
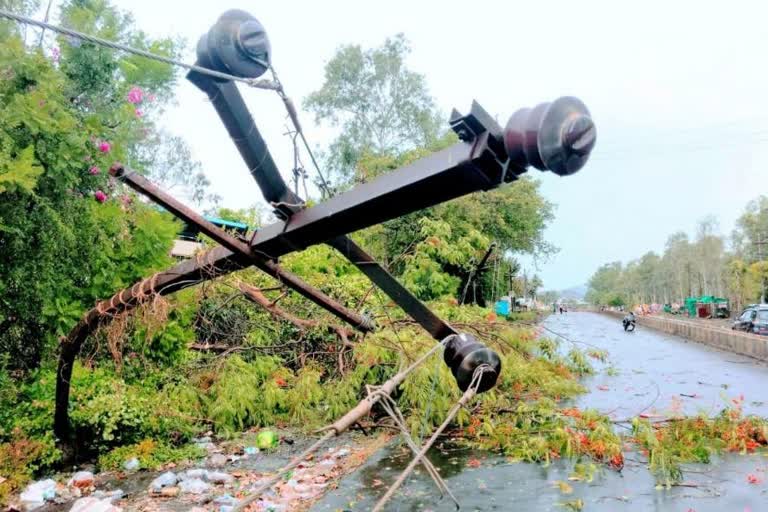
column 150, row 190
column 433, row 324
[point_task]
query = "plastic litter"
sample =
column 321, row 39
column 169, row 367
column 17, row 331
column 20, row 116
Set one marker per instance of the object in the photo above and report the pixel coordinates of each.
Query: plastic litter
column 219, row 477
column 194, row 486
column 266, row 439
column 225, row 499
column 167, row 479
column 37, row 493
column 217, row 459
column 271, row 506
column 112, row 496
column 82, row 479
column 92, row 504
column 131, row 464
column 202, row 440
column 343, row 452
column 195, row 473
column 251, row 450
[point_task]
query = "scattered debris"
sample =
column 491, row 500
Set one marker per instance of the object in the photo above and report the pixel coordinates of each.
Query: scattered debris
column 266, row 439
column 132, row 464
column 91, row 504
column 194, row 486
column 167, row 479
column 82, row 480
column 37, row 493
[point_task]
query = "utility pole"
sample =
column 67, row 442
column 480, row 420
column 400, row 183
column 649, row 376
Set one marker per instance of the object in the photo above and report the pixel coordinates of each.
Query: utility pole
column 760, row 243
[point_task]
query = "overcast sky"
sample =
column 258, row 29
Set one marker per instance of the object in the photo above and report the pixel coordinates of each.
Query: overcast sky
column 677, row 90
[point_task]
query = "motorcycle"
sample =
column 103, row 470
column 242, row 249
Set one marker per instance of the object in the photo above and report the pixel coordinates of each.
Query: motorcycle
column 629, row 323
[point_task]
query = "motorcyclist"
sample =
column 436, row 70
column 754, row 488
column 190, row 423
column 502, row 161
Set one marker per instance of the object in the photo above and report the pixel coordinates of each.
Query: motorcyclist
column 629, row 320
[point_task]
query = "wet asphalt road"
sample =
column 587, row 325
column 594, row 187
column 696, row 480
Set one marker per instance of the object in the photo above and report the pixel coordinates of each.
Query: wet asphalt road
column 650, row 372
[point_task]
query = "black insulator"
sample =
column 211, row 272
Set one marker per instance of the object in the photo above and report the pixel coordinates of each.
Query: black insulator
column 463, row 354
column 557, row 136
column 237, row 44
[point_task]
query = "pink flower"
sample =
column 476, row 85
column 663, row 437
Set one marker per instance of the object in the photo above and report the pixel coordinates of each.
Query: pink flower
column 100, row 196
column 104, row 146
column 94, row 170
column 151, row 97
column 139, row 113
column 753, row 479
column 135, row 95
column 55, row 55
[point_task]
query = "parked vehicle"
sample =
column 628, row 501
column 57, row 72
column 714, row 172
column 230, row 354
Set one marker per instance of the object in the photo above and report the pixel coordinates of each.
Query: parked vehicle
column 629, row 322
column 753, row 319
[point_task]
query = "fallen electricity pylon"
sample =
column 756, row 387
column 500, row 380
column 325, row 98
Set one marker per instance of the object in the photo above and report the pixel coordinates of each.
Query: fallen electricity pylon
column 557, row 136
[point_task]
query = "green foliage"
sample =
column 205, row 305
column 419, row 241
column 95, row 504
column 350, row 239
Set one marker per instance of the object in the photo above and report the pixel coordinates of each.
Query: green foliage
column 151, row 454
column 383, row 108
column 244, row 394
column 60, row 250
column 670, row 444
column 21, row 459
column 692, row 267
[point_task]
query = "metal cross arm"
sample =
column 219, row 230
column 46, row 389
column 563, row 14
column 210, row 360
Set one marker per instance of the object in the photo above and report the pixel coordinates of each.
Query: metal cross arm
column 239, row 247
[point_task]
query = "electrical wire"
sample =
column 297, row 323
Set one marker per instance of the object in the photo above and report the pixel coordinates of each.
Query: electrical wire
column 293, row 114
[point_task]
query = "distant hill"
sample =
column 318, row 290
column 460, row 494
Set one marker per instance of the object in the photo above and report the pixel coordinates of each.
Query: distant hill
column 574, row 292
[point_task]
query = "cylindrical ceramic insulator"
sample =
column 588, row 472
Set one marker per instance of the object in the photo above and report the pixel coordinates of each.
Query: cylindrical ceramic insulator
column 464, row 354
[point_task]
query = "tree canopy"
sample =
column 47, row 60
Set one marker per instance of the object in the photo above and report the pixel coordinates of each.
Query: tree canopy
column 68, row 234
column 689, row 267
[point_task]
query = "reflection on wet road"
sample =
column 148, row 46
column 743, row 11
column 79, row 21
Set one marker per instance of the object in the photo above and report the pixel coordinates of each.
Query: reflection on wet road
column 646, row 371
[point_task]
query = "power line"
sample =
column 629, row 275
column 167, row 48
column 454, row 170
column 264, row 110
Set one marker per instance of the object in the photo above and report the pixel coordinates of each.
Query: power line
column 253, row 82
column 273, row 84
column 293, row 114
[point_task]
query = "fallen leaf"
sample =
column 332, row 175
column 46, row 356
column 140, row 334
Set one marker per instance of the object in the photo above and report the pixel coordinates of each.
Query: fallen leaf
column 564, row 487
column 474, row 463
column 575, row 505
column 753, row 479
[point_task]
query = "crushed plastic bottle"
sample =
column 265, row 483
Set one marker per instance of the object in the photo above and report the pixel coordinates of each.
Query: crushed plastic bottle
column 195, row 473
column 194, row 486
column 82, row 479
column 37, row 493
column 219, row 477
column 131, row 464
column 91, row 504
column 167, row 479
column 225, row 500
column 112, row 496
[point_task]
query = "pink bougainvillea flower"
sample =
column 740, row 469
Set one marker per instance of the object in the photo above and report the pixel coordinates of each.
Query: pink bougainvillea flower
column 104, row 146
column 139, row 113
column 135, row 95
column 100, row 196
column 753, row 479
column 94, row 170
